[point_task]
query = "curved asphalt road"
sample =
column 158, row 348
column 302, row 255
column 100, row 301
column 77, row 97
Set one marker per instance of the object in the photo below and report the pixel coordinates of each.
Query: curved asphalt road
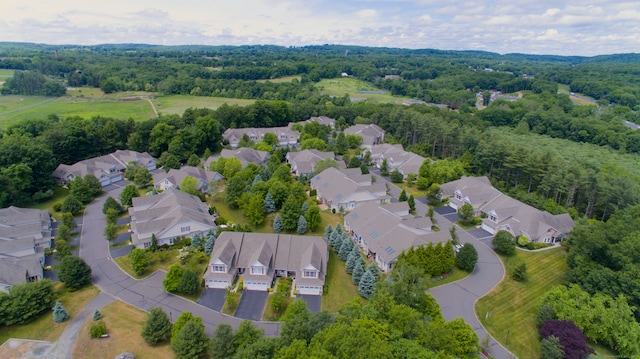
column 148, row 292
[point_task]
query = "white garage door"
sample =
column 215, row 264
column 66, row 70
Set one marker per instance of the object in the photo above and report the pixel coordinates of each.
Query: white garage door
column 256, row 285
column 488, row 229
column 309, row 290
column 221, row 284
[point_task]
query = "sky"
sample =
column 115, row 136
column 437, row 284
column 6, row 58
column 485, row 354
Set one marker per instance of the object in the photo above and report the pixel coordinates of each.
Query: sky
column 586, row 28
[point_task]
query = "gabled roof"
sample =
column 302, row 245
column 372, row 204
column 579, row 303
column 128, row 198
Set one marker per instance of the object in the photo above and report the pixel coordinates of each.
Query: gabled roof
column 338, row 187
column 371, row 133
column 24, row 227
column 160, row 213
column 246, row 155
column 176, row 176
column 103, row 165
column 16, row 270
column 304, row 161
column 234, row 135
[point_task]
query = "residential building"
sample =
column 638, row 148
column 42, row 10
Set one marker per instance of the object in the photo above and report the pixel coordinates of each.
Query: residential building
column 169, row 215
column 323, row 120
column 172, row 179
column 348, row 189
column 108, row 169
column 397, row 158
column 302, row 162
column 385, row 231
column 505, row 213
column 285, row 135
column 371, row 134
column 24, row 235
column 246, row 155
column 261, row 257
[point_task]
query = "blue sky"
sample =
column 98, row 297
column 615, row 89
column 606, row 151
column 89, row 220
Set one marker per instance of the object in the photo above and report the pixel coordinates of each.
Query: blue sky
column 590, row 27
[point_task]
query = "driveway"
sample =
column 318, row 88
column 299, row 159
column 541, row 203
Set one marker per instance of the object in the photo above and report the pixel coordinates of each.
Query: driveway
column 479, row 233
column 120, row 251
column 213, row 298
column 148, row 292
column 252, row 304
column 314, row 302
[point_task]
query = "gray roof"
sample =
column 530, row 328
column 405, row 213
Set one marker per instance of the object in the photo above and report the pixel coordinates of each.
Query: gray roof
column 107, row 165
column 176, row 176
column 226, row 250
column 245, row 155
column 337, row 187
column 397, row 158
column 520, row 218
column 284, row 134
column 24, row 227
column 323, row 120
column 371, row 134
column 161, row 212
column 16, row 270
column 303, row 161
column 277, row 251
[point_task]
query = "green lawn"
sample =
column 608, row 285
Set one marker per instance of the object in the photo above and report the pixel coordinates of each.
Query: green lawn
column 91, row 92
column 341, row 289
column 512, row 306
column 14, row 110
column 413, row 190
column 5, row 74
column 43, row 328
column 59, row 196
column 452, row 277
column 177, row 104
column 344, row 85
column 159, row 260
column 282, row 79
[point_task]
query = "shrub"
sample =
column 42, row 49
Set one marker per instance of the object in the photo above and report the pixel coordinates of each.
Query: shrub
column 518, row 271
column 545, row 313
column 57, row 207
column 241, row 284
column 97, row 329
column 96, row 315
column 59, row 313
column 504, row 243
column 522, row 241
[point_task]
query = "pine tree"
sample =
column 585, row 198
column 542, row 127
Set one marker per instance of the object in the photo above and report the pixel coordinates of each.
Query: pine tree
column 403, row 196
column 375, row 271
column 191, row 341
column 157, row 327
column 448, row 257
column 345, row 248
column 269, row 203
column 335, row 240
column 290, row 212
column 189, row 282
column 210, row 240
column 358, row 271
column 412, row 203
column 328, row 231
column 277, row 224
column 314, row 219
column 59, row 313
column 366, row 287
column 302, row 225
column 438, row 251
column 305, row 207
column 352, row 259
column 96, row 314
column 154, row 243
column 196, row 242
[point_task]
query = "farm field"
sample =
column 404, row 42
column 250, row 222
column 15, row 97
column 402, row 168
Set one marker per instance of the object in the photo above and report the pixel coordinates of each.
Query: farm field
column 282, row 79
column 177, row 104
column 341, row 86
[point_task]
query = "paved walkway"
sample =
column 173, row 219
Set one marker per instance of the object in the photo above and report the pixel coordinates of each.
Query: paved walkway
column 146, row 293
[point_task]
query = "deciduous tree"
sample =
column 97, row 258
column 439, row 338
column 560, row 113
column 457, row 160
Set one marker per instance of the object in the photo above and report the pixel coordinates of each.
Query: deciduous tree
column 74, row 272
column 157, row 327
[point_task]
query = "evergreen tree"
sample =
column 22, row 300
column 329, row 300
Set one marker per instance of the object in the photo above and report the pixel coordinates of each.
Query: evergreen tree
column 358, row 271
column 196, row 242
column 74, row 272
column 157, row 327
column 59, row 313
column 375, row 271
column 71, row 204
column 352, row 259
column 210, row 240
column 269, row 203
column 345, row 248
column 181, row 322
column 277, row 224
column 335, row 239
column 366, row 287
column 302, row 225
column 189, row 282
column 403, row 196
column 384, row 167
column 290, row 213
column 304, row 208
column 448, row 257
column 191, row 342
column 412, row 203
column 327, row 231
column 96, row 315
column 467, row 257
column 154, row 243
column 110, row 202
column 221, row 346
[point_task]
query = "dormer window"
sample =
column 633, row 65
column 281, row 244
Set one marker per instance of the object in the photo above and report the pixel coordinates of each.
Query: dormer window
column 493, row 217
column 219, row 268
column 185, row 229
column 310, row 274
column 458, row 195
column 257, row 270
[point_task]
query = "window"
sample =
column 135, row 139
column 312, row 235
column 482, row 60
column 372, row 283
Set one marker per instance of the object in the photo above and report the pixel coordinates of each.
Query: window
column 493, row 217
column 171, row 240
column 310, row 274
column 185, row 229
column 147, row 244
column 257, row 270
column 458, row 195
column 218, row 268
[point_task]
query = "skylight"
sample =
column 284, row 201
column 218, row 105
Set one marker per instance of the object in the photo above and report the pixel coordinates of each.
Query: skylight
column 373, row 234
column 389, row 250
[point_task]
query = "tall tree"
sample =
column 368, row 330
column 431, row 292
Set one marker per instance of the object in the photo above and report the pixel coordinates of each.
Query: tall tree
column 191, row 341
column 210, row 240
column 269, row 203
column 157, row 327
column 221, row 346
column 74, row 272
column 302, row 225
column 277, row 224
column 128, row 193
column 366, row 287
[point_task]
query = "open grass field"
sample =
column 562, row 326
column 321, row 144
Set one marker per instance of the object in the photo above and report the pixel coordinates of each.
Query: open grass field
column 124, row 325
column 91, row 92
column 59, row 196
column 344, row 85
column 43, row 328
column 177, row 104
column 512, row 306
column 283, row 79
column 41, row 107
column 341, row 289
